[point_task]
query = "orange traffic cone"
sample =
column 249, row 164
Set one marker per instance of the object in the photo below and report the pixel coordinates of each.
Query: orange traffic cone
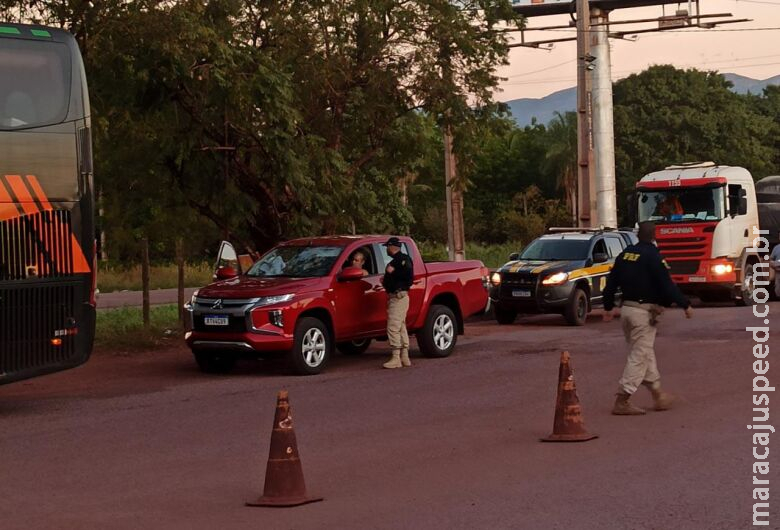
column 568, row 425
column 284, row 484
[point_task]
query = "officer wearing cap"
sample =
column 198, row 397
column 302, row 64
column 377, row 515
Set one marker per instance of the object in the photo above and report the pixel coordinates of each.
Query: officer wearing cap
column 642, row 275
column 397, row 281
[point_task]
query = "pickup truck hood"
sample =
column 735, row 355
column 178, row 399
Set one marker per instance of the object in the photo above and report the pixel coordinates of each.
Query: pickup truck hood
column 536, row 267
column 248, row 287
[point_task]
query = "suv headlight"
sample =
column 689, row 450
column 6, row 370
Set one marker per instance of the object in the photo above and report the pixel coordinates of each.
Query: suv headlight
column 556, row 279
column 270, row 300
column 495, row 279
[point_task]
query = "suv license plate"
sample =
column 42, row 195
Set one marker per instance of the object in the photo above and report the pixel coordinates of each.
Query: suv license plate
column 215, row 320
column 522, row 293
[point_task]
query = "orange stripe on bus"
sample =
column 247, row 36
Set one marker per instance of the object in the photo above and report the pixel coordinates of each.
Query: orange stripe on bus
column 38, row 190
column 8, row 209
column 79, row 260
column 22, row 195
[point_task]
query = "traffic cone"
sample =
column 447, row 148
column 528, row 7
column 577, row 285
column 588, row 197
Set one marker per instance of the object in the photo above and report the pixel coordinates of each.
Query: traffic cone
column 568, row 425
column 284, row 484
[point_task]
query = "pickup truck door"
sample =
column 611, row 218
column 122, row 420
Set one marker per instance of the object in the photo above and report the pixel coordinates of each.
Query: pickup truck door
column 417, row 292
column 360, row 304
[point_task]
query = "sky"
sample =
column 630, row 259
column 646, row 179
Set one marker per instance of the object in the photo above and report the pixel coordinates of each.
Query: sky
column 734, row 48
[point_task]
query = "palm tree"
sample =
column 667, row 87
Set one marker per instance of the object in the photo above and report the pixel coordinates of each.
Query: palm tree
column 561, row 157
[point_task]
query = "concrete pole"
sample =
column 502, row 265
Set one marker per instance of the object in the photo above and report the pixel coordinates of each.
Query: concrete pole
column 603, row 130
column 586, row 212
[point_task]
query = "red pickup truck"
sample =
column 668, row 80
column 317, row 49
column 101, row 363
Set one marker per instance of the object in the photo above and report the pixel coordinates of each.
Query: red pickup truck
column 303, row 298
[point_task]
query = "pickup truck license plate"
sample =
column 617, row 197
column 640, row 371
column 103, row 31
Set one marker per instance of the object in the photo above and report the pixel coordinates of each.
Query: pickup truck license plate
column 522, row 293
column 215, row 320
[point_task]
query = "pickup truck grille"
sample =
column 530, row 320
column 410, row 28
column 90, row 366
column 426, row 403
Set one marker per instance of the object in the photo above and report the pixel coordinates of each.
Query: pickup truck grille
column 235, row 325
column 517, row 280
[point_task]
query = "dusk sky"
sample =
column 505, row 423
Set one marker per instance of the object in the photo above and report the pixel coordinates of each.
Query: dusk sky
column 536, row 73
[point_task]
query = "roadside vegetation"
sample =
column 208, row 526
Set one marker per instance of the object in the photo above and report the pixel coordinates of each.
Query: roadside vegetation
column 122, row 329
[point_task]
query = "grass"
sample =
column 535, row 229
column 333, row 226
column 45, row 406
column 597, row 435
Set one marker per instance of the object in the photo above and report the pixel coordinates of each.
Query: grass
column 123, row 328
column 113, row 278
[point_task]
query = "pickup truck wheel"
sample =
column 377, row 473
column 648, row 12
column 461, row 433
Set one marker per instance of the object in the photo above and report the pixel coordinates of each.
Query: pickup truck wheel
column 311, row 348
column 214, row 362
column 438, row 336
column 354, row 347
column 577, row 309
column 505, row 316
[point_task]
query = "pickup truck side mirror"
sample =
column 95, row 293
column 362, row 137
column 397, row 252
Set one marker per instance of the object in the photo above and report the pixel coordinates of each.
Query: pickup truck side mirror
column 226, row 273
column 350, row 274
column 600, row 257
column 514, row 256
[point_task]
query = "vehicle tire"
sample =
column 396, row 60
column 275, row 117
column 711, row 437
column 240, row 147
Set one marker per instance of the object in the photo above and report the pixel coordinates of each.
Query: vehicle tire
column 311, row 346
column 354, row 347
column 439, row 335
column 211, row 362
column 747, row 286
column 576, row 312
column 505, row 316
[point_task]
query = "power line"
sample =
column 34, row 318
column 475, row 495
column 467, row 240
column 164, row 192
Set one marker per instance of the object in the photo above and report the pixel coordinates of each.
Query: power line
column 691, row 30
column 543, row 69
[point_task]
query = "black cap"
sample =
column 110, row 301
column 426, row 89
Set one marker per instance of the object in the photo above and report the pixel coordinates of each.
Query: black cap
column 392, row 242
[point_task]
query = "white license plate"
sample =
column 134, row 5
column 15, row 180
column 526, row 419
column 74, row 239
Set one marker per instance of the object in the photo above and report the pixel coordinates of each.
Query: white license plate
column 521, row 293
column 695, row 279
column 215, row 320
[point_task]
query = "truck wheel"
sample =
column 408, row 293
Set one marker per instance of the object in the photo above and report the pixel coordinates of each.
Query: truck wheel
column 747, row 286
column 576, row 312
column 214, row 362
column 505, row 316
column 438, row 336
column 311, row 347
column 354, row 347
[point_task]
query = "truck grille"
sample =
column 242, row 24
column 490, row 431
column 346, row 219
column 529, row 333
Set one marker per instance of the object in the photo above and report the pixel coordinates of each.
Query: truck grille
column 517, row 280
column 36, row 246
column 683, row 247
column 683, row 267
column 29, row 317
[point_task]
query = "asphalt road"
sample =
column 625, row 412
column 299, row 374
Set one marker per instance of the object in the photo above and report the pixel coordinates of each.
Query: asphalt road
column 146, row 441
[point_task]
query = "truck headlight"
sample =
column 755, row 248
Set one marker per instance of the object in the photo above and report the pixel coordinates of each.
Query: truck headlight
column 556, row 279
column 495, row 279
column 722, row 268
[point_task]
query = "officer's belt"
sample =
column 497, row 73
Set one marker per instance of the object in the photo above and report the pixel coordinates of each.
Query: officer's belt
column 639, row 305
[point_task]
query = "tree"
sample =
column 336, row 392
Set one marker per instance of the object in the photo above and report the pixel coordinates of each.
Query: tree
column 561, row 157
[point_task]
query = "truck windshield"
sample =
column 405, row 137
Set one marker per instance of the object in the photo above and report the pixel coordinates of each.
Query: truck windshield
column 35, row 84
column 682, row 204
column 556, row 249
column 296, row 262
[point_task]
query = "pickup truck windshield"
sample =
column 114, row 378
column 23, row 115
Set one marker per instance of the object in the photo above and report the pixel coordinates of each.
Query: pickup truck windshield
column 296, row 262
column 556, row 249
column 682, row 204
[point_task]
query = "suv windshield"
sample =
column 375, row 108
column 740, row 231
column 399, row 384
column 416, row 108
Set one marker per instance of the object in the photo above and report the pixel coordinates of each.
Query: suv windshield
column 682, row 204
column 296, row 262
column 556, row 249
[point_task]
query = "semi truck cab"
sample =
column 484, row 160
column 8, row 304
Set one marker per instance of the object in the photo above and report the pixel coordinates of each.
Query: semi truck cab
column 705, row 217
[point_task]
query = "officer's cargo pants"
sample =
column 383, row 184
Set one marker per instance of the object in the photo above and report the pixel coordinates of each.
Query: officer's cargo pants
column 640, row 335
column 397, row 307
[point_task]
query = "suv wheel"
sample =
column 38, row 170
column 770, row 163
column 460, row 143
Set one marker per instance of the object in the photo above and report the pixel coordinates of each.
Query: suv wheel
column 576, row 312
column 438, row 336
column 505, row 316
column 214, row 362
column 311, row 347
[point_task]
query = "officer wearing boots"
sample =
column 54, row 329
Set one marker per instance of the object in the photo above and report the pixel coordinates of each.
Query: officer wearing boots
column 642, row 275
column 397, row 281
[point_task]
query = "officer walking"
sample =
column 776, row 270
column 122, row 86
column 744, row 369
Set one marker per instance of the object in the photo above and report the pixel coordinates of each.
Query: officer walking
column 397, row 281
column 641, row 274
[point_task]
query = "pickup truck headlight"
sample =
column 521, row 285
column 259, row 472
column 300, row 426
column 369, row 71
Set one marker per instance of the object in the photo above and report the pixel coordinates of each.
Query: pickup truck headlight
column 270, row 300
column 556, row 279
column 495, row 279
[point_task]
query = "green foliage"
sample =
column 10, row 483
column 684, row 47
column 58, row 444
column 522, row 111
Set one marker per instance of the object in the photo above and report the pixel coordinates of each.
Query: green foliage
column 112, row 277
column 122, row 329
column 492, row 256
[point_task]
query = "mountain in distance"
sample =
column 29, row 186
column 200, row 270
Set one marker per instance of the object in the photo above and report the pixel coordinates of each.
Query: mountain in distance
column 543, row 109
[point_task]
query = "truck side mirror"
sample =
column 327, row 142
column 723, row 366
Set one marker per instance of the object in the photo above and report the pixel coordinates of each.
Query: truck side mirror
column 631, row 208
column 514, row 256
column 742, row 202
column 350, row 274
column 226, row 273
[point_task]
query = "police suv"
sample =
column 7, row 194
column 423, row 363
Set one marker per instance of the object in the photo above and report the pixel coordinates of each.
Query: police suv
column 564, row 271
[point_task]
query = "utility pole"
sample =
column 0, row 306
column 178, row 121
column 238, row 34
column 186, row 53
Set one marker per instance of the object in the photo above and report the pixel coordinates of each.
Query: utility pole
column 603, row 129
column 586, row 213
column 455, row 235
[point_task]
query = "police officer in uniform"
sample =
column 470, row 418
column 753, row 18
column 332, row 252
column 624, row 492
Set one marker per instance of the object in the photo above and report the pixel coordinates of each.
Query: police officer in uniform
column 642, row 275
column 397, row 281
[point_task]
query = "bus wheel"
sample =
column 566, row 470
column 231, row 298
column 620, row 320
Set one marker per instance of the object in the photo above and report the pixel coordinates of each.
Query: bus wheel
column 214, row 362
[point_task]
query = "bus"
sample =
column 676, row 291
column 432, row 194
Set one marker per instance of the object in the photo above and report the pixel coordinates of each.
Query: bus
column 47, row 235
